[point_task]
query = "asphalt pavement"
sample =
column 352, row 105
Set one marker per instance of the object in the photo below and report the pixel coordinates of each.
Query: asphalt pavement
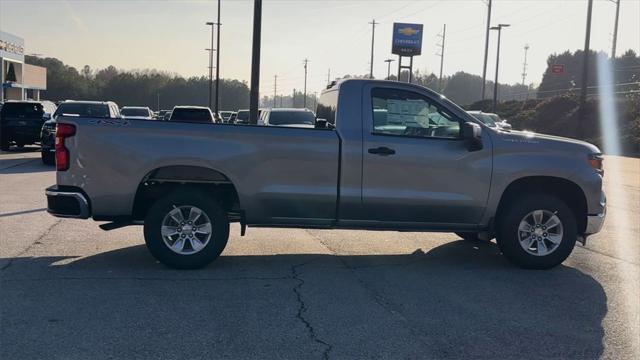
column 69, row 290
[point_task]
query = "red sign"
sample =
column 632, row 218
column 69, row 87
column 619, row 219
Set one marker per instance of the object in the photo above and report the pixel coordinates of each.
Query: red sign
column 557, row 69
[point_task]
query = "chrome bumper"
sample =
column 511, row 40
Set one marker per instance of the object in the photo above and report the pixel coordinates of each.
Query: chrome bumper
column 595, row 223
column 67, row 204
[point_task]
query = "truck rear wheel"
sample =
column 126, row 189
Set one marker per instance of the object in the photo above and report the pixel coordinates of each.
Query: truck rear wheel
column 186, row 229
column 48, row 158
column 537, row 231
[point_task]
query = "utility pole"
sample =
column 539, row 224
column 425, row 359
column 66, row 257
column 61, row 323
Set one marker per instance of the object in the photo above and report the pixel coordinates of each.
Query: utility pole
column 217, row 62
column 293, row 98
column 158, row 93
column 585, row 65
column 254, row 99
column 275, row 89
column 524, row 64
column 373, row 35
column 389, row 61
column 495, row 84
column 615, row 30
column 486, row 51
column 305, row 81
column 444, row 34
column 329, row 76
column 211, row 50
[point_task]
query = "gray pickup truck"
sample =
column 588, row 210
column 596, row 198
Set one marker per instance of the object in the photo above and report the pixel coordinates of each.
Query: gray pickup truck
column 382, row 156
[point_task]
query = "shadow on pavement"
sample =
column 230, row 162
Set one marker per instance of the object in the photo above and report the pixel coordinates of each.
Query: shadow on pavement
column 24, row 166
column 459, row 300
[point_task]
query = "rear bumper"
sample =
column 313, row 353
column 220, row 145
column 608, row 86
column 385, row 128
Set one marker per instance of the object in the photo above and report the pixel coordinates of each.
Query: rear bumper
column 67, row 203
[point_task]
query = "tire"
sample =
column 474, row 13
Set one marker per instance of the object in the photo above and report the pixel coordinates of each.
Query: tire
column 48, row 158
column 470, row 237
column 194, row 254
column 540, row 254
column 4, row 144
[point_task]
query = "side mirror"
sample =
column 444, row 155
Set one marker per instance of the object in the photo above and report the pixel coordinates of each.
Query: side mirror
column 472, row 132
column 505, row 125
column 321, row 123
column 46, row 116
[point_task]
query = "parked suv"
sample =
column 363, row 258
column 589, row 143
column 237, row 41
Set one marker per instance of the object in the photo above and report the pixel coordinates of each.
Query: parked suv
column 89, row 109
column 21, row 121
column 197, row 114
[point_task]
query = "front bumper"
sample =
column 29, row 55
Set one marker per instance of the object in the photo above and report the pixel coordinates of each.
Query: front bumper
column 595, row 223
column 67, row 203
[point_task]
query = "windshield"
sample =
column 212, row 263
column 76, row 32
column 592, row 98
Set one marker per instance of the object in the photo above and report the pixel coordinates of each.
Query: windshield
column 23, row 110
column 134, row 112
column 193, row 115
column 291, row 117
column 83, row 109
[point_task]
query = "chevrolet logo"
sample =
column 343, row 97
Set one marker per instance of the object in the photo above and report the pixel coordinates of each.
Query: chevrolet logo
column 407, row 31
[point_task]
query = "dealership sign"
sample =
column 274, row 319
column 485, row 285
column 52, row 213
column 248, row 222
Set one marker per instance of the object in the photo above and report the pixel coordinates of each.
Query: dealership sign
column 557, row 69
column 407, row 39
column 11, row 47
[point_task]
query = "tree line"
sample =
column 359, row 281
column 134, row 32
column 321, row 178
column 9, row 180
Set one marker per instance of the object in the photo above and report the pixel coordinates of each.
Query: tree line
column 161, row 89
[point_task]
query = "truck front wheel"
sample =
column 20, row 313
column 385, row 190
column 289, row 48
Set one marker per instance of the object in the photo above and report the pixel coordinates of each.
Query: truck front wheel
column 186, row 229
column 537, row 231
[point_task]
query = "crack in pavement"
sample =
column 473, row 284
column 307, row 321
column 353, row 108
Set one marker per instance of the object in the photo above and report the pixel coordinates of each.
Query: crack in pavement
column 302, row 308
column 375, row 296
column 36, row 241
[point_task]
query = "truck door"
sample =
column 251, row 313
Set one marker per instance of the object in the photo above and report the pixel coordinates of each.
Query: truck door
column 416, row 166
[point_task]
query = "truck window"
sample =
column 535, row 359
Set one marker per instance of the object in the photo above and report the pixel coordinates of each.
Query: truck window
column 327, row 106
column 405, row 113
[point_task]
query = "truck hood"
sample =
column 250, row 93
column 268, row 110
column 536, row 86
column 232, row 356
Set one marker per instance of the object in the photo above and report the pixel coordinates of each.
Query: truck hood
column 547, row 142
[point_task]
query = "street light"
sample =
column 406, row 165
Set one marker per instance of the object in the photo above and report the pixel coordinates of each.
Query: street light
column 495, row 83
column 211, row 50
column 389, row 61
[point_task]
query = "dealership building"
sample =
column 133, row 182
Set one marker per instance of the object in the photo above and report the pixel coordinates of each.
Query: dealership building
column 19, row 81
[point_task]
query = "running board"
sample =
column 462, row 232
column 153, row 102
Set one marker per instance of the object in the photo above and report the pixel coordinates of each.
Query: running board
column 118, row 224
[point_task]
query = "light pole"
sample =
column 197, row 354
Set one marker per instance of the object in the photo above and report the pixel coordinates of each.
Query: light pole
column 495, row 83
column 217, row 61
column 305, row 81
column 254, row 97
column 389, row 61
column 486, row 51
column 209, row 23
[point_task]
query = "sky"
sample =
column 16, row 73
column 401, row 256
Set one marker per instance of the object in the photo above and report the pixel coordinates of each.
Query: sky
column 172, row 35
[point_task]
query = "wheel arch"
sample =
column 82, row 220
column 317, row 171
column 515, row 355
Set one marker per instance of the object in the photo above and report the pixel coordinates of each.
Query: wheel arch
column 165, row 179
column 566, row 190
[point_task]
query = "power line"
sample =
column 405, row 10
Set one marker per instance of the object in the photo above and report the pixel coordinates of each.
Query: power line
column 441, row 54
column 524, row 64
column 305, row 81
column 373, row 35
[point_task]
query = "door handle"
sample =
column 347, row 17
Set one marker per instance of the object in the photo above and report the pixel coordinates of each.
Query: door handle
column 382, row 151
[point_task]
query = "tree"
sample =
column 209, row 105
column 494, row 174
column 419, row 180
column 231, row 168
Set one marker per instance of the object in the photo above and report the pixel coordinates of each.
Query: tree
column 11, row 74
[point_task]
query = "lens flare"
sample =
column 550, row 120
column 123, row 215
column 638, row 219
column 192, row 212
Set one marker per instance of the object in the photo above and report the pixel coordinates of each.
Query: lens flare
column 621, row 225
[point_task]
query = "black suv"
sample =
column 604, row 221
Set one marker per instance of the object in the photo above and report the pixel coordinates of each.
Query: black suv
column 21, row 121
column 92, row 109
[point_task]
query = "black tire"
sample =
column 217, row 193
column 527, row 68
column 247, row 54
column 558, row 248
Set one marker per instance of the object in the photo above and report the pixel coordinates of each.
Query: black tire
column 186, row 197
column 48, row 158
column 515, row 212
column 4, row 143
column 469, row 236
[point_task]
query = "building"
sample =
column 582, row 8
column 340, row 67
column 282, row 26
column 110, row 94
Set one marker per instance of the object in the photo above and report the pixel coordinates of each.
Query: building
column 19, row 81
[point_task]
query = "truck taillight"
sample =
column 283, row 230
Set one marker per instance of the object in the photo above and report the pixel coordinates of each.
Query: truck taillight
column 63, row 131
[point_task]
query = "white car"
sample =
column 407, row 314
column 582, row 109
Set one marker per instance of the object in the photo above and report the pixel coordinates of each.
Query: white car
column 290, row 117
column 137, row 112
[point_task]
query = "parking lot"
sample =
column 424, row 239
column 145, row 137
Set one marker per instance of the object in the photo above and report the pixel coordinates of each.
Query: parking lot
column 70, row 290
